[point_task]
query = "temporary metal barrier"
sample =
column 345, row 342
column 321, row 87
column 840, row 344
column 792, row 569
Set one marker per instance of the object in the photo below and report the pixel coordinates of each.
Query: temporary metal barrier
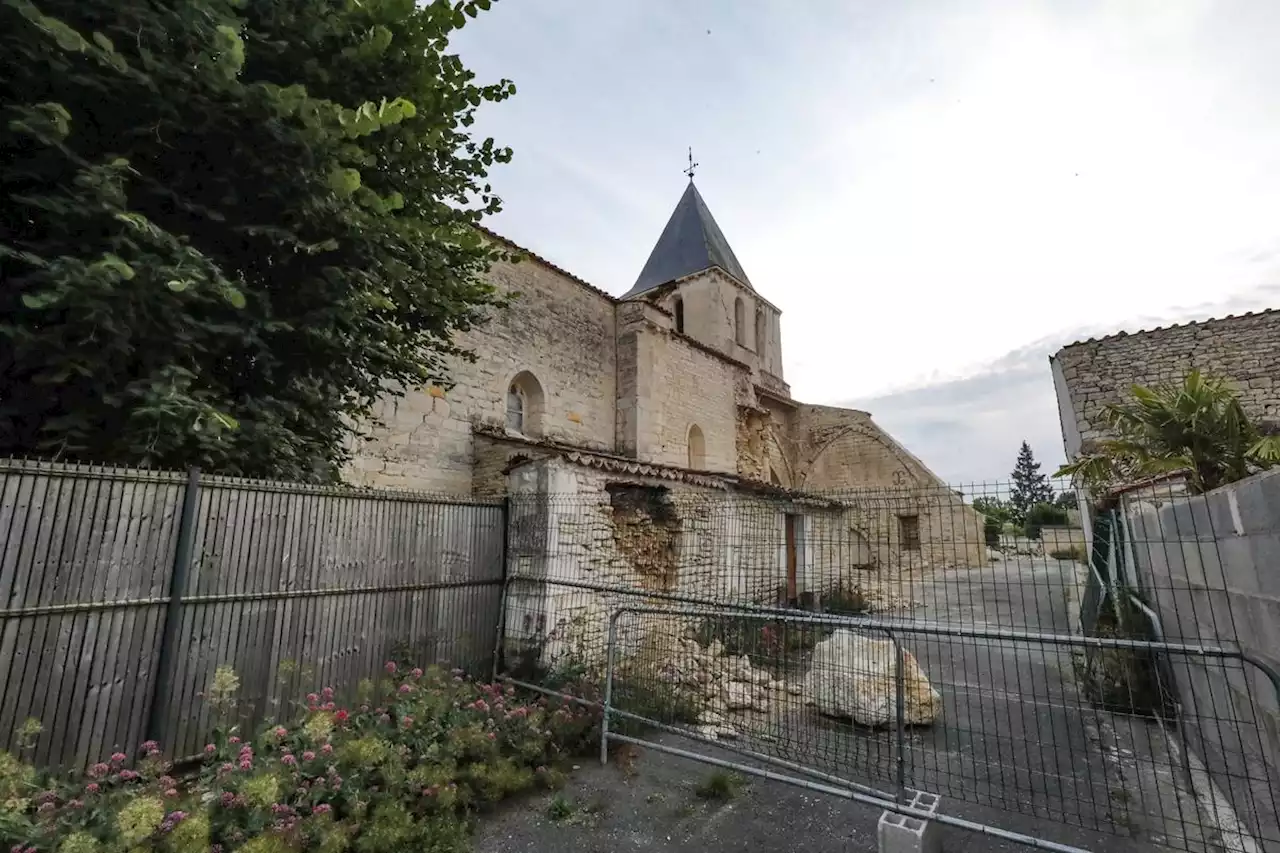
column 898, row 796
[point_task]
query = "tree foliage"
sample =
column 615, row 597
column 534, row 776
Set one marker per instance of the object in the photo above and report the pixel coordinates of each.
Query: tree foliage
column 1197, row 426
column 1030, row 487
column 229, row 227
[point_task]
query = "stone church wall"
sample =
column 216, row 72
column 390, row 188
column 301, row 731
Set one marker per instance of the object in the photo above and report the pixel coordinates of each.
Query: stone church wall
column 557, row 329
column 709, row 300
column 630, row 538
column 842, row 451
column 1091, row 374
column 689, row 386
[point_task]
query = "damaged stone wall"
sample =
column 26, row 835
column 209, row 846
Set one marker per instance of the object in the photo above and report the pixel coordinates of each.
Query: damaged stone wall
column 608, row 541
column 753, row 443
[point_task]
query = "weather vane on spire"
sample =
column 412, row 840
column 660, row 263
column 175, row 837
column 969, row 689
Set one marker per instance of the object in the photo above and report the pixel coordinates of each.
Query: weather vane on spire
column 692, row 165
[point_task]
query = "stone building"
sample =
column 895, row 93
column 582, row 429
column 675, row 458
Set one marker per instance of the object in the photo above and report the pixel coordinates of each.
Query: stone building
column 1090, row 374
column 650, row 442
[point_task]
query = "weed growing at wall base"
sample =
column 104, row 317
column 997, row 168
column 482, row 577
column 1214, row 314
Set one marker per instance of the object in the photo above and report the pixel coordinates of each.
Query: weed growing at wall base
column 408, row 772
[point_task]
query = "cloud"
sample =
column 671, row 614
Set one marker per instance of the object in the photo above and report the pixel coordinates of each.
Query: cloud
column 968, row 429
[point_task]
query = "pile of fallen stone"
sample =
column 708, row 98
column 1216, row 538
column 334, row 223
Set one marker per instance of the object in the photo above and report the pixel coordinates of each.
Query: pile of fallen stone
column 720, row 685
column 851, row 676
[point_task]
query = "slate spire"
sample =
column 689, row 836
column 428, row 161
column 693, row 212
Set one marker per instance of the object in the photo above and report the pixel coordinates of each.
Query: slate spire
column 691, row 242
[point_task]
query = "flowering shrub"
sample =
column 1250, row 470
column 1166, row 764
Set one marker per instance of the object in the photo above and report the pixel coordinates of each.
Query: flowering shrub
column 404, row 773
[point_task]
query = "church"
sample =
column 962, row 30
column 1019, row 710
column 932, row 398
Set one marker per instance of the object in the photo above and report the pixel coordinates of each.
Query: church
column 677, row 387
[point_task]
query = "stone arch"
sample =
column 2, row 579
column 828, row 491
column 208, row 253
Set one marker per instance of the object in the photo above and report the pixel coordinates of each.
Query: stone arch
column 525, row 404
column 778, row 462
column 697, row 444
column 905, row 461
column 740, row 321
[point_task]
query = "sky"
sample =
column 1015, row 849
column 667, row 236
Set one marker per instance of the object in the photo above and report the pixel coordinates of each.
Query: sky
column 938, row 195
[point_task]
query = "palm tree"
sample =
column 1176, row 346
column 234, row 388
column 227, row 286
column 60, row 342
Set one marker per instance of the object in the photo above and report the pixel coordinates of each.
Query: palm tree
column 1197, row 426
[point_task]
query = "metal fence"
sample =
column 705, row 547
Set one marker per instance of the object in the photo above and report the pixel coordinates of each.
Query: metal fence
column 123, row 590
column 853, row 643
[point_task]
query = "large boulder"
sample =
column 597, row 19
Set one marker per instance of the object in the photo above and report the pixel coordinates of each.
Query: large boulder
column 853, row 676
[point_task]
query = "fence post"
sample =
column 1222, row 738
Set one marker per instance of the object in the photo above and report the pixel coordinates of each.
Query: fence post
column 899, row 676
column 499, row 641
column 160, row 694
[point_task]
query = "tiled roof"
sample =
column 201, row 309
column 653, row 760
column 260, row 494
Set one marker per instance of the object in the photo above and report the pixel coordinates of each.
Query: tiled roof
column 1122, row 334
column 546, row 263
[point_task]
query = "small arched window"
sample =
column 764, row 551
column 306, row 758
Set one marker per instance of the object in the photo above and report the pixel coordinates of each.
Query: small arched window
column 524, row 404
column 760, row 332
column 679, row 312
column 740, row 321
column 697, row 449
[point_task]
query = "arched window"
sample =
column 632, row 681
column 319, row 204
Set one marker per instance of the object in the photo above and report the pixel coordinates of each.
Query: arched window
column 740, row 322
column 679, row 312
column 697, row 449
column 760, row 332
column 524, row 404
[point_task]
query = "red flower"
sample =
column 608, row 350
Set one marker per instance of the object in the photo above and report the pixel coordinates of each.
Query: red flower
column 390, row 667
column 341, row 716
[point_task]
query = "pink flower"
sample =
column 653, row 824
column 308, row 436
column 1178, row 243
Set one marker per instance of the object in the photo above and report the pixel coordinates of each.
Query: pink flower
column 288, row 760
column 280, row 731
column 171, row 792
column 341, row 716
column 322, row 808
column 313, row 698
column 128, row 775
column 328, row 706
column 390, row 667
column 417, row 672
column 406, row 688
column 99, row 769
column 117, row 757
column 492, row 736
column 153, row 753
column 226, row 767
column 75, row 804
column 210, row 749
column 46, row 807
column 149, row 745
column 233, row 739
column 407, row 721
column 246, row 764
column 431, row 792
column 91, row 788
column 308, row 756
column 327, row 692
column 327, row 749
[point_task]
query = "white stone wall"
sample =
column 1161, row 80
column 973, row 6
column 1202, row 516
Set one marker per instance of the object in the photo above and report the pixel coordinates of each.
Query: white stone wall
column 728, row 548
column 688, row 386
column 1245, row 350
column 709, row 318
column 558, row 330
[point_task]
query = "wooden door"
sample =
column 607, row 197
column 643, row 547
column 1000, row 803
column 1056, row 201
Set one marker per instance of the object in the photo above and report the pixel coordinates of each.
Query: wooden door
column 792, row 591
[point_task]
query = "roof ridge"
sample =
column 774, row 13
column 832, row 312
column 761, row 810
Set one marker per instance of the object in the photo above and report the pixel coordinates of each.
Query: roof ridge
column 536, row 257
column 1205, row 321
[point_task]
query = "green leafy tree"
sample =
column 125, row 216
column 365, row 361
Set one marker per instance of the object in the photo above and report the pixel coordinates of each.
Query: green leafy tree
column 995, row 508
column 229, row 227
column 1030, row 487
column 1197, row 426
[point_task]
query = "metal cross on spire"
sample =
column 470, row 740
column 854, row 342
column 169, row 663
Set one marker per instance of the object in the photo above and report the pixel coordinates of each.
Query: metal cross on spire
column 692, row 165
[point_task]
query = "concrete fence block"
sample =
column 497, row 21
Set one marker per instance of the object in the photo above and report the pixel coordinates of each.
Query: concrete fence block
column 898, row 833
